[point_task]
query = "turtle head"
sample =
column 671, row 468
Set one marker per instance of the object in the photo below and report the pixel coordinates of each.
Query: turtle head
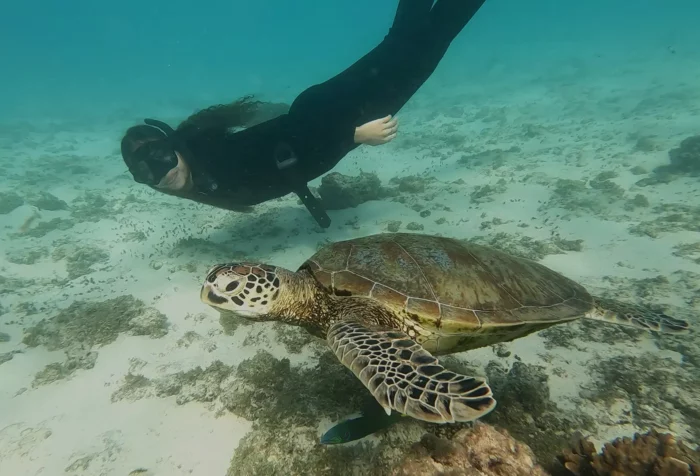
column 246, row 289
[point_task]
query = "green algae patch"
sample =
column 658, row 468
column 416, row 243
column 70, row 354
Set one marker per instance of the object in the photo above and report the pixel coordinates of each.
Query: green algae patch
column 294, row 339
column 97, row 323
column 528, row 247
column 198, row 384
column 45, row 227
column 84, row 325
column 580, row 197
column 659, row 391
column 79, row 259
column 670, row 218
column 47, row 201
column 63, row 370
column 9, row 201
column 92, row 207
column 526, row 410
column 286, row 405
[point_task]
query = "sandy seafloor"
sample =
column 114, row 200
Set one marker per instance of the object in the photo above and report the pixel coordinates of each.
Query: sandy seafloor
column 112, row 237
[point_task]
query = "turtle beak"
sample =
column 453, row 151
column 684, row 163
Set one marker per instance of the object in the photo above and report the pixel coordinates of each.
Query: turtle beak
column 209, row 296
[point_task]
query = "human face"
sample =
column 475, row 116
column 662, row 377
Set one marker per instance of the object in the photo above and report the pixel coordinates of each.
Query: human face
column 179, row 178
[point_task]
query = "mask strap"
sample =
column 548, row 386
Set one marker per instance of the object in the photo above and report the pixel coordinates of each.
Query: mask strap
column 166, row 129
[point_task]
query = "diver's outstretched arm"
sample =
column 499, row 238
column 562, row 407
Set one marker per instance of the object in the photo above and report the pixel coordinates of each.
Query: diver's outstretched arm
column 377, row 132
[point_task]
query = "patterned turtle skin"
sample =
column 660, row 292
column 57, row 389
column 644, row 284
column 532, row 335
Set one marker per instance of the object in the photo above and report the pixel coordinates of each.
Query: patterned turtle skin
column 451, row 295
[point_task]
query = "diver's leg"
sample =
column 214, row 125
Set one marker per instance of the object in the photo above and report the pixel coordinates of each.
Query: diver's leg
column 449, row 17
column 411, row 15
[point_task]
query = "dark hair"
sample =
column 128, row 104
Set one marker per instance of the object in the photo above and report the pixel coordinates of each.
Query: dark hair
column 239, row 113
column 150, row 153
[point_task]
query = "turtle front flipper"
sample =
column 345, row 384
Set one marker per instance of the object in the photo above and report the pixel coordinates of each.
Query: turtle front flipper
column 634, row 315
column 405, row 377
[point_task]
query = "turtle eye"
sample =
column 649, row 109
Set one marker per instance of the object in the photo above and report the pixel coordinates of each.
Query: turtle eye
column 232, row 286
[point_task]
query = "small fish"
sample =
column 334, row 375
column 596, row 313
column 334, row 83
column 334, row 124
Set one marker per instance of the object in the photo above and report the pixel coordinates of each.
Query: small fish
column 370, row 421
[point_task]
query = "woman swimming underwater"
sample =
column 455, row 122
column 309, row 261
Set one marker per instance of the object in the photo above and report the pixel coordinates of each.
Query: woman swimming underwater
column 205, row 160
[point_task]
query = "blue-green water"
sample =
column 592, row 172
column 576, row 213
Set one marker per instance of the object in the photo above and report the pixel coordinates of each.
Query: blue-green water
column 558, row 131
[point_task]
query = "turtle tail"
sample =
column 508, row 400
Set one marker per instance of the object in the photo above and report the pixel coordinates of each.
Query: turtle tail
column 634, row 315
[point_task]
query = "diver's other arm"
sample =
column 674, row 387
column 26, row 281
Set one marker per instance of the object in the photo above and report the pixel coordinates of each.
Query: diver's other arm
column 377, row 132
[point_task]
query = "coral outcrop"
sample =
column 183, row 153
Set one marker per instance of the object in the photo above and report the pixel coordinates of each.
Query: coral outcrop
column 479, row 451
column 686, row 158
column 340, row 191
column 650, row 454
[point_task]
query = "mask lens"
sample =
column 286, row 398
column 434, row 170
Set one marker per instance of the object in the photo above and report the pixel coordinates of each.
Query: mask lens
column 142, row 174
column 158, row 158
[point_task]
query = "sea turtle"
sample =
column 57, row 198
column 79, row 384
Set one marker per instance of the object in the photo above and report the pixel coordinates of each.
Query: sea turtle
column 386, row 303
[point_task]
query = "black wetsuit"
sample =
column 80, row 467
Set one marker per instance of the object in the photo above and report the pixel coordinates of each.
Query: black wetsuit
column 243, row 168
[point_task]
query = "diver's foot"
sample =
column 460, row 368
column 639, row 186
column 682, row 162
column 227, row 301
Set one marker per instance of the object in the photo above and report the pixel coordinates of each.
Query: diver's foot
column 377, row 132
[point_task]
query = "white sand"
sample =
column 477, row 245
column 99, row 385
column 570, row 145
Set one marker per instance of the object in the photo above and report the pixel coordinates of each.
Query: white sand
column 44, row 430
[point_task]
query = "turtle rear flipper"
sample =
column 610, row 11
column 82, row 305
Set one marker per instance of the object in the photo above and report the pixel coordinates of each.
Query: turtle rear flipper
column 634, row 315
column 403, row 376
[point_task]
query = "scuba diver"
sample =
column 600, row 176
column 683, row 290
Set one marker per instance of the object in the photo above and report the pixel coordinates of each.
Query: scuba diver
column 227, row 157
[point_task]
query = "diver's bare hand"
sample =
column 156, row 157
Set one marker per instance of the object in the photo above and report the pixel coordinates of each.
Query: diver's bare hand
column 377, row 132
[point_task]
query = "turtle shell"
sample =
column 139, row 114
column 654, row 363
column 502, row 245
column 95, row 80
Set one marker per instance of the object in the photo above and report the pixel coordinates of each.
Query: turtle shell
column 446, row 285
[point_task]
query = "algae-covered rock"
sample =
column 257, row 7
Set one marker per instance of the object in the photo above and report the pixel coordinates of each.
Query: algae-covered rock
column 686, row 158
column 92, row 207
column 485, row 193
column 79, row 258
column 269, row 390
column 689, row 251
column 670, row 218
column 294, row 339
column 9, row 201
column 649, row 454
column 84, row 325
column 528, row 247
column 527, row 412
column 414, row 226
column 63, row 370
column 47, row 201
column 96, row 323
column 495, row 158
column 646, row 144
column 638, row 170
column 340, row 191
column 639, row 201
column 7, row 356
column 393, row 226
column 230, row 322
column 479, row 451
column 26, row 256
column 201, row 385
column 578, row 197
column 198, row 384
column 44, row 227
column 661, row 392
column 294, row 451
column 133, row 387
column 411, row 183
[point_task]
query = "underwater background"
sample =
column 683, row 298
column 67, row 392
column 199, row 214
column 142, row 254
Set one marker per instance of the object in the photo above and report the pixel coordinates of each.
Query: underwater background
column 565, row 132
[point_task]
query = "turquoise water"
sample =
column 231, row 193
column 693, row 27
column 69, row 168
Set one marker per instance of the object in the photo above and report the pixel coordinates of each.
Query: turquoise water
column 561, row 132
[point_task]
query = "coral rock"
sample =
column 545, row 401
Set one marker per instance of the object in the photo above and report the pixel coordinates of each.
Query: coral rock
column 340, row 191
column 686, row 158
column 479, row 451
column 651, row 454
